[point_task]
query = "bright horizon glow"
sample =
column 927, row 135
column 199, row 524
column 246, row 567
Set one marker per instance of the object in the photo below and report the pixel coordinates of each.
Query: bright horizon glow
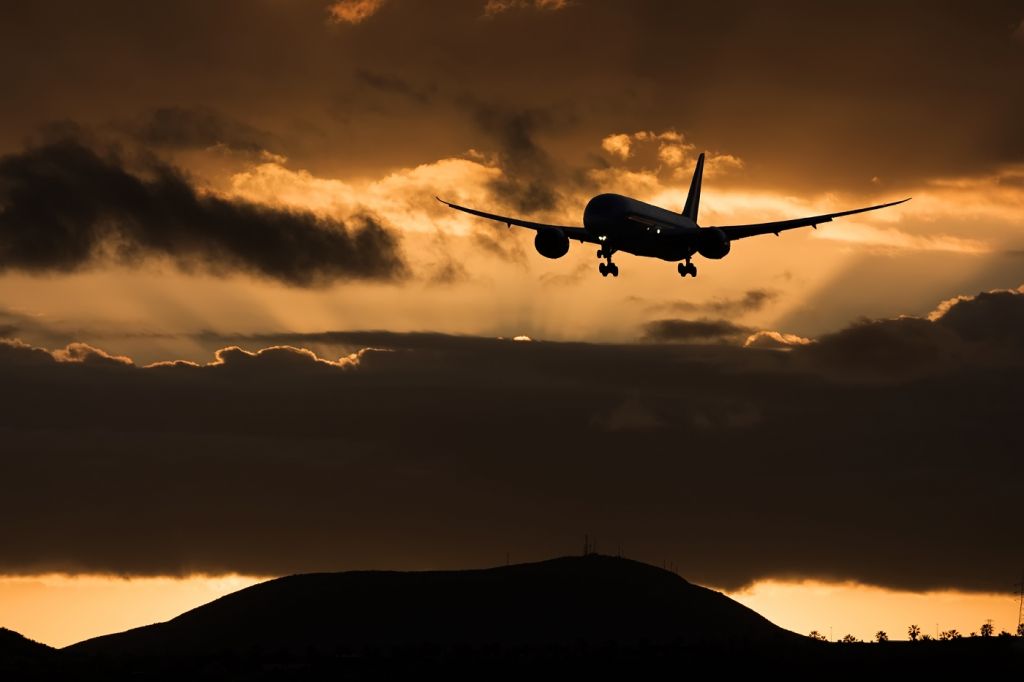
column 60, row 610
column 862, row 610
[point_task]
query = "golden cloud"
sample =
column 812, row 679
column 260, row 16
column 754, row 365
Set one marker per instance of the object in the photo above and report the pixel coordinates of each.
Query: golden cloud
column 618, row 145
column 774, row 339
column 353, row 11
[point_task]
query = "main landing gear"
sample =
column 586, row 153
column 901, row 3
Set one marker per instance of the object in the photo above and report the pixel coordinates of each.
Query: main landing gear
column 687, row 269
column 610, row 268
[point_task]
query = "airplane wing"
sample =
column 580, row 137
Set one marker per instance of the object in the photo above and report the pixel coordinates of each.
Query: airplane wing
column 743, row 231
column 578, row 233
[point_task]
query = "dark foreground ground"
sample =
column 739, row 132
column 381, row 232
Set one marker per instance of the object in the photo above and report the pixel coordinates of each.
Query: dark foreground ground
column 566, row 618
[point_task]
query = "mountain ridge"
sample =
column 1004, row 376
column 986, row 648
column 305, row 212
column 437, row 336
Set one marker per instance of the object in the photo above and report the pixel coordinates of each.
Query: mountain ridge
column 591, row 599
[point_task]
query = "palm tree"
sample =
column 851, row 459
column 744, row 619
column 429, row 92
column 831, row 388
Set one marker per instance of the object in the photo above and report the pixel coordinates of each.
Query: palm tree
column 814, row 634
column 987, row 629
column 913, row 632
column 881, row 636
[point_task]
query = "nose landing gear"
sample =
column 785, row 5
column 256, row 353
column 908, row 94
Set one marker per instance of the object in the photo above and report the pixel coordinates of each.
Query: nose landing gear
column 687, row 269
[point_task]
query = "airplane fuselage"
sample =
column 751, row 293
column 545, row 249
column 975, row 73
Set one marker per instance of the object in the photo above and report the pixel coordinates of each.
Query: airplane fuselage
column 626, row 224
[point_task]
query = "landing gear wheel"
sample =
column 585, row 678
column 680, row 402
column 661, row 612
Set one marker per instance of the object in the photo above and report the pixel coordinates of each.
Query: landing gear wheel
column 687, row 269
column 614, row 269
column 603, row 270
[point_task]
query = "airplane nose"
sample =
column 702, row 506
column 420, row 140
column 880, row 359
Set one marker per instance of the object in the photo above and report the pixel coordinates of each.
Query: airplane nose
column 599, row 212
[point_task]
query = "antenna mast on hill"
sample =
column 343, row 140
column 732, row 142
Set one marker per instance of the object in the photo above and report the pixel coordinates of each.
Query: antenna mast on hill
column 589, row 547
column 1020, row 609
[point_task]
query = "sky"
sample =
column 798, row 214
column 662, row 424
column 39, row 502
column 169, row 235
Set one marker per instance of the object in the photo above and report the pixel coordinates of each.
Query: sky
column 242, row 339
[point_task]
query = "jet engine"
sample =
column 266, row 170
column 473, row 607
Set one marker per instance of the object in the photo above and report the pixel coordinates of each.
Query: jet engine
column 713, row 243
column 551, row 242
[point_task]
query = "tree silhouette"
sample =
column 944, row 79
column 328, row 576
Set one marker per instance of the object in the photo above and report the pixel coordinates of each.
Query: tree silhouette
column 947, row 635
column 849, row 639
column 881, row 636
column 1020, row 629
column 814, row 634
column 913, row 632
column 987, row 629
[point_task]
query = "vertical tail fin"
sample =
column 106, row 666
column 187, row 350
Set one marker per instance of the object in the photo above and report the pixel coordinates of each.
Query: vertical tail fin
column 693, row 198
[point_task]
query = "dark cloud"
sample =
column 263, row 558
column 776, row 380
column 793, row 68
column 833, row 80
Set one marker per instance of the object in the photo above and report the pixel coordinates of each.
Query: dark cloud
column 65, row 206
column 978, row 331
column 438, row 450
column 180, row 127
column 887, row 348
column 630, row 415
column 488, row 237
column 448, row 271
column 991, row 318
column 529, row 179
column 694, row 331
column 395, row 85
column 15, row 354
column 751, row 301
column 743, row 83
column 448, row 451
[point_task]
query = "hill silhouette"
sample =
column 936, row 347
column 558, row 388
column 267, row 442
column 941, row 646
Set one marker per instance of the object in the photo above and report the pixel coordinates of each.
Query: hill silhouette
column 18, row 653
column 593, row 616
column 575, row 601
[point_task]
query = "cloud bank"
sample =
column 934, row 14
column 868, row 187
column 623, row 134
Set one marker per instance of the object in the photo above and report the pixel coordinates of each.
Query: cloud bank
column 435, row 450
column 65, row 206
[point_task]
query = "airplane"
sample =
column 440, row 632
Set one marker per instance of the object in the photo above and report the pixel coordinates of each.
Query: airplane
column 619, row 223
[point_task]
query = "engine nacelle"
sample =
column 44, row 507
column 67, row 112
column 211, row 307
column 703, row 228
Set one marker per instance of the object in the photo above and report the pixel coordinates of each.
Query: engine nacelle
column 551, row 242
column 713, row 243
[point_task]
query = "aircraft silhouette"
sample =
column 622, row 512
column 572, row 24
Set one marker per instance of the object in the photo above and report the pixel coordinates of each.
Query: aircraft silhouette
column 619, row 223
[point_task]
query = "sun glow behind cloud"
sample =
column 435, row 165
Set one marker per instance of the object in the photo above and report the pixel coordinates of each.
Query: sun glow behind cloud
column 403, row 196
column 491, row 273
column 503, row 289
